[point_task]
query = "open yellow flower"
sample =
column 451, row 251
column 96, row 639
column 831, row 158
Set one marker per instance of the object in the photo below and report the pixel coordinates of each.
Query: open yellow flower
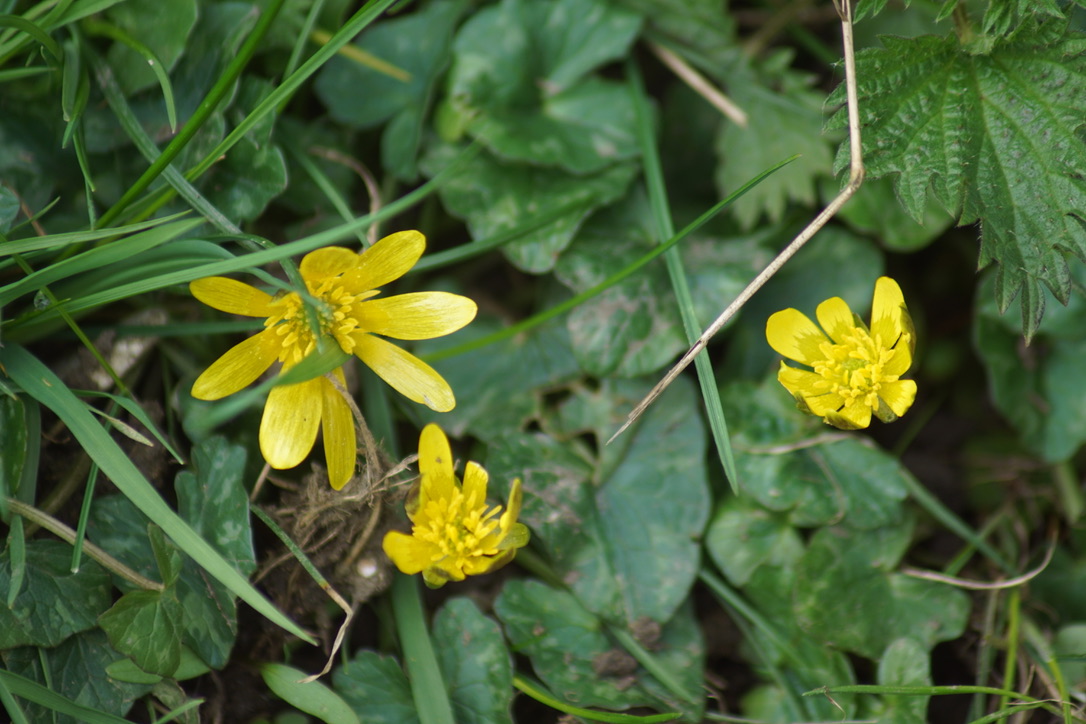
column 856, row 371
column 345, row 285
column 454, row 534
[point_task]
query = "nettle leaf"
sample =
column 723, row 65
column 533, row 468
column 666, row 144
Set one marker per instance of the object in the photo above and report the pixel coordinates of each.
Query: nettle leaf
column 1005, row 15
column 361, row 97
column 785, row 118
column 146, row 625
column 1040, row 389
column 848, row 596
column 572, row 653
column 620, row 525
column 527, row 97
column 634, row 327
column 496, row 197
column 76, row 669
column 500, row 388
column 212, row 499
column 792, row 463
column 996, row 136
column 53, row 603
column 477, row 665
column 376, row 687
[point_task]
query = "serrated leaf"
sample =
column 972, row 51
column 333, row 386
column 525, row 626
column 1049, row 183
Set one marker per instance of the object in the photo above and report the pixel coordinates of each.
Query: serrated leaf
column 527, row 97
column 618, row 525
column 781, row 124
column 53, row 603
column 1003, row 16
column 995, row 135
column 495, row 197
column 848, row 596
column 790, row 462
column 573, row 655
column 312, row 697
column 360, row 96
column 477, row 665
column 146, row 626
column 875, row 210
column 375, row 686
column 77, row 671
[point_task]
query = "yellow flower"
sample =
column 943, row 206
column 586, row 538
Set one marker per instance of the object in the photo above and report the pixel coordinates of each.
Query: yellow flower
column 856, row 370
column 345, row 285
column 454, row 534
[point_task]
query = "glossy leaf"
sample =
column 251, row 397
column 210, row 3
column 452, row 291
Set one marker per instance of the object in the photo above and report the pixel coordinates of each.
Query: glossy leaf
column 477, row 665
column 376, row 687
column 146, row 626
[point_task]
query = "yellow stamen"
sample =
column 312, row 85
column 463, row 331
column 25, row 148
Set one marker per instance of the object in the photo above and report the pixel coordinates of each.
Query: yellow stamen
column 853, row 368
column 457, row 527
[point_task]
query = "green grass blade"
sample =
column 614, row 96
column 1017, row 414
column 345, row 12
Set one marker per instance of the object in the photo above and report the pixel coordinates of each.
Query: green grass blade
column 654, row 179
column 96, row 27
column 35, row 692
column 55, row 241
column 541, row 695
column 11, row 706
column 34, row 32
column 43, row 385
column 427, row 684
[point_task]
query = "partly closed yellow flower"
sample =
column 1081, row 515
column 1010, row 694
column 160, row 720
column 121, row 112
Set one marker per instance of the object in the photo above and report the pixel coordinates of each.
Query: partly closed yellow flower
column 453, row 533
column 345, row 285
column 856, row 370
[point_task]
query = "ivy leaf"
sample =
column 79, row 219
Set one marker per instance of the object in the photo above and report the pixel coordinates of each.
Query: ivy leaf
column 995, row 135
column 146, row 625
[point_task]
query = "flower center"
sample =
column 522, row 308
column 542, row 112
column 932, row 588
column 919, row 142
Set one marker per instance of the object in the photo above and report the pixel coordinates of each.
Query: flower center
column 335, row 314
column 457, row 527
column 853, row 368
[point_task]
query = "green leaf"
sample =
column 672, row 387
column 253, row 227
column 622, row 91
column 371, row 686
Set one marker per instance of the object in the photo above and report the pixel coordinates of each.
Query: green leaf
column 376, row 687
column 743, row 537
column 527, row 98
column 500, row 388
column 620, row 524
column 996, row 136
column 190, row 667
column 9, row 208
column 76, row 670
column 312, row 697
column 245, row 183
column 146, row 625
column 162, row 28
column 785, row 118
column 53, row 603
column 494, row 197
column 167, row 557
column 1003, row 16
column 848, row 597
column 701, row 29
column 875, row 210
column 1040, row 389
column 13, row 447
column 904, row 663
column 360, row 96
column 634, row 328
column 212, row 499
column 477, row 665
column 579, row 662
column 792, row 463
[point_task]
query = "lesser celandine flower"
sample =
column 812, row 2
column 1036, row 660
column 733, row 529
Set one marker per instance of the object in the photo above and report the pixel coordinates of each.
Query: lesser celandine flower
column 856, row 370
column 454, row 534
column 345, row 285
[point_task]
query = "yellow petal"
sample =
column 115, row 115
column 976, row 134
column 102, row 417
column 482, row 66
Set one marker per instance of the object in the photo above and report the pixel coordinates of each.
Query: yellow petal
column 408, row 553
column 330, row 261
column 337, row 422
column 435, row 466
column 388, row 259
column 239, row 367
column 438, row 575
column 836, row 318
column 901, row 360
column 856, row 416
column 475, row 481
column 512, row 509
column 420, row 315
column 792, row 334
column 887, row 311
column 801, row 382
column 408, row 375
column 289, row 426
column 898, row 396
column 230, row 295
column 822, row 405
column 518, row 537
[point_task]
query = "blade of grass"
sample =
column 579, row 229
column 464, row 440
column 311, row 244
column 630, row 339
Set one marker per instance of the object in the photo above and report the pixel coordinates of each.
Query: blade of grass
column 548, row 314
column 43, row 385
column 427, row 684
column 665, row 229
column 53, row 241
column 11, row 706
column 537, row 692
column 102, row 29
column 651, row 664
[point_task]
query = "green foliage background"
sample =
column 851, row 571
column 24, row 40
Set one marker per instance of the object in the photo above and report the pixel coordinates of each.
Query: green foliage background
column 724, row 556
